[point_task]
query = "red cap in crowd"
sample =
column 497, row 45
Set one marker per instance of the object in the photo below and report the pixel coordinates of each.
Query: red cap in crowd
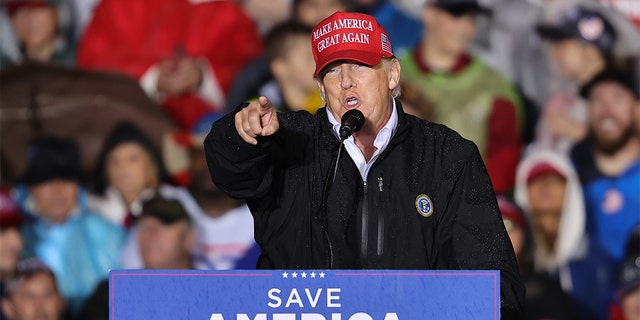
column 349, row 36
column 543, row 168
column 12, row 6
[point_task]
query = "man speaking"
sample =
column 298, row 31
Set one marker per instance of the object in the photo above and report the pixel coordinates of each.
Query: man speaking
column 361, row 184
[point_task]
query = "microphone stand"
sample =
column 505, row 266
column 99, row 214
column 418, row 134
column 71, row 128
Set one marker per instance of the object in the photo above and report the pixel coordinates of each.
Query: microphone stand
column 352, row 121
column 328, row 249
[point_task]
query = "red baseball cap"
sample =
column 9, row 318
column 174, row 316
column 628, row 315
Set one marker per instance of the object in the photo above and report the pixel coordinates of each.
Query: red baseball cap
column 349, row 36
column 12, row 6
column 542, row 169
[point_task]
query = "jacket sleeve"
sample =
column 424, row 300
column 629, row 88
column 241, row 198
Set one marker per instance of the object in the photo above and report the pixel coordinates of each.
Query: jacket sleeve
column 478, row 239
column 238, row 168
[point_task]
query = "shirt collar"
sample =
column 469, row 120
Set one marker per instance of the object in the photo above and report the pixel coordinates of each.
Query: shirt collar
column 388, row 128
column 380, row 143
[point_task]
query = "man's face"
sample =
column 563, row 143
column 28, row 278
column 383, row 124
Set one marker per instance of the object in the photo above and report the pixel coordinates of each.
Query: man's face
column 348, row 85
column 296, row 68
column 570, row 57
column 35, row 26
column 163, row 246
column 11, row 245
column 37, row 298
column 450, row 34
column 311, row 12
column 55, row 199
column 129, row 169
column 546, row 200
column 612, row 112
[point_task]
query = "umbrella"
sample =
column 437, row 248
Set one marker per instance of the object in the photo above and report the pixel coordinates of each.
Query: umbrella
column 43, row 99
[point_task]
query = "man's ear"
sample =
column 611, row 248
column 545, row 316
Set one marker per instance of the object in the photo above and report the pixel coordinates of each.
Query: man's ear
column 321, row 88
column 394, row 73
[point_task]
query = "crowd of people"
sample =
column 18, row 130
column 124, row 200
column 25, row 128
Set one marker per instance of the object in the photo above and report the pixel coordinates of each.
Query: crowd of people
column 548, row 91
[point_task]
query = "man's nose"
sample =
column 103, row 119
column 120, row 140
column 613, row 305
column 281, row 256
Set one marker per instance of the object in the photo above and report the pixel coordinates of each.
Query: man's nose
column 346, row 80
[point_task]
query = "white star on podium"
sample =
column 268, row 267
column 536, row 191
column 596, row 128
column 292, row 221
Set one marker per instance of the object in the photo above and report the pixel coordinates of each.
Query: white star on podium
column 313, row 274
column 322, row 274
column 294, row 275
column 304, row 274
column 285, row 275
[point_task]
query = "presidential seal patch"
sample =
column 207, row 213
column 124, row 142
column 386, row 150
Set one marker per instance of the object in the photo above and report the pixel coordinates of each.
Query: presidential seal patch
column 424, row 205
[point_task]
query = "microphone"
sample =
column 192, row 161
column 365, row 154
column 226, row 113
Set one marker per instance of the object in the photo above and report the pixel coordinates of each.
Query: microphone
column 352, row 121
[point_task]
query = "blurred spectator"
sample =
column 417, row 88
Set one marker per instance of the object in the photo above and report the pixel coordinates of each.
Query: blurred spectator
column 400, row 18
column 311, row 12
column 581, row 44
column 627, row 303
column 11, row 243
column 184, row 53
column 545, row 298
column 130, row 171
column 33, row 293
column 78, row 245
column 165, row 237
column 267, row 13
column 461, row 92
column 249, row 81
column 509, row 42
column 127, row 168
column 549, row 191
column 224, row 225
column 608, row 160
column 290, row 59
column 42, row 32
column 629, row 290
column 517, row 228
column 627, row 7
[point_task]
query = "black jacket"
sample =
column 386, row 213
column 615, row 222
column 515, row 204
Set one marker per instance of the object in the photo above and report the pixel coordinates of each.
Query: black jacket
column 374, row 224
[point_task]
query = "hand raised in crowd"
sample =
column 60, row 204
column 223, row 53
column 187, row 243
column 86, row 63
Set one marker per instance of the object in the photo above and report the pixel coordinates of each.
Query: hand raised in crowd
column 178, row 76
column 557, row 120
column 259, row 118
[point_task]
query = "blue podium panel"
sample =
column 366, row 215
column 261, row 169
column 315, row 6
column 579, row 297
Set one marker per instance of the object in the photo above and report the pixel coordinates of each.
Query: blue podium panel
column 304, row 295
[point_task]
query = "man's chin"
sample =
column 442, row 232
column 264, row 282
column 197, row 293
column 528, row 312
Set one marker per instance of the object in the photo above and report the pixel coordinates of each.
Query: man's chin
column 612, row 145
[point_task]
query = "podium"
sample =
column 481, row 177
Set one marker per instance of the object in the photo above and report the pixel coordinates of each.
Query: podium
column 304, row 294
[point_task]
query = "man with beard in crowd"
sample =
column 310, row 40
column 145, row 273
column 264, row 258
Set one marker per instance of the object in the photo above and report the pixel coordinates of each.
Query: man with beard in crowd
column 608, row 160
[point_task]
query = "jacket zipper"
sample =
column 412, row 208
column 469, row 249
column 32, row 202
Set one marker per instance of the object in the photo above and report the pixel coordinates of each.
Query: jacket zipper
column 364, row 236
column 380, row 239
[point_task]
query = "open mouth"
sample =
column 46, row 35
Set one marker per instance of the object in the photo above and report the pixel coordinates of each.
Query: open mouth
column 351, row 102
column 608, row 124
